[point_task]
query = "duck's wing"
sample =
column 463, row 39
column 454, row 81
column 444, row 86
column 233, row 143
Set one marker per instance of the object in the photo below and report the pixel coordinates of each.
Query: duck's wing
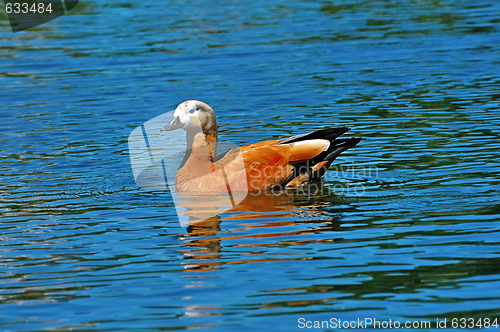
column 289, row 161
column 268, row 166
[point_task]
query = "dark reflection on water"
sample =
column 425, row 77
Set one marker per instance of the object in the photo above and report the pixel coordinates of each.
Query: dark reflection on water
column 407, row 229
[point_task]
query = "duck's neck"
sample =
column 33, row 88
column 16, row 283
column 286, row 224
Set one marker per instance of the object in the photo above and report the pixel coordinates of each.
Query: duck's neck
column 201, row 147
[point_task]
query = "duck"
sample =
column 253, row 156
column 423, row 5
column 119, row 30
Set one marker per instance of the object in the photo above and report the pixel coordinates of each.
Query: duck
column 276, row 164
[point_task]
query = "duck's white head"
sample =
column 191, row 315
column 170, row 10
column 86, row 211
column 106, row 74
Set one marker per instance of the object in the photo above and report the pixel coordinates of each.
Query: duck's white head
column 193, row 116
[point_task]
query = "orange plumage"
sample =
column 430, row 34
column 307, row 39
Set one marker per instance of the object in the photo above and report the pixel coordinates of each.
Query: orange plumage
column 256, row 167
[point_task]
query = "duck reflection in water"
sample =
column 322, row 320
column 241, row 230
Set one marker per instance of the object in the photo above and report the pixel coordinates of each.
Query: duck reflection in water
column 260, row 221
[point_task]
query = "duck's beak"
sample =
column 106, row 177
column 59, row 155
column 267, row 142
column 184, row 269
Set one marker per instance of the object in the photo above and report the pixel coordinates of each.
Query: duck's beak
column 174, row 124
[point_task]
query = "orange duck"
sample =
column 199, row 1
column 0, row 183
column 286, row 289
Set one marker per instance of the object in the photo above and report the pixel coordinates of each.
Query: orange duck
column 268, row 165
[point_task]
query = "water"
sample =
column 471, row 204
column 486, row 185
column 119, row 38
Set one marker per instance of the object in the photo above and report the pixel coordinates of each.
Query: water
column 409, row 233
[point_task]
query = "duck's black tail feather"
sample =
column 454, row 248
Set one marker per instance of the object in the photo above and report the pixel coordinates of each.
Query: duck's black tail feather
column 314, row 169
column 337, row 146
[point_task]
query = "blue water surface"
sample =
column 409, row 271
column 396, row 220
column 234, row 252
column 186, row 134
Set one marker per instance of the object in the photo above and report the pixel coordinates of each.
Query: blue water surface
column 407, row 230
